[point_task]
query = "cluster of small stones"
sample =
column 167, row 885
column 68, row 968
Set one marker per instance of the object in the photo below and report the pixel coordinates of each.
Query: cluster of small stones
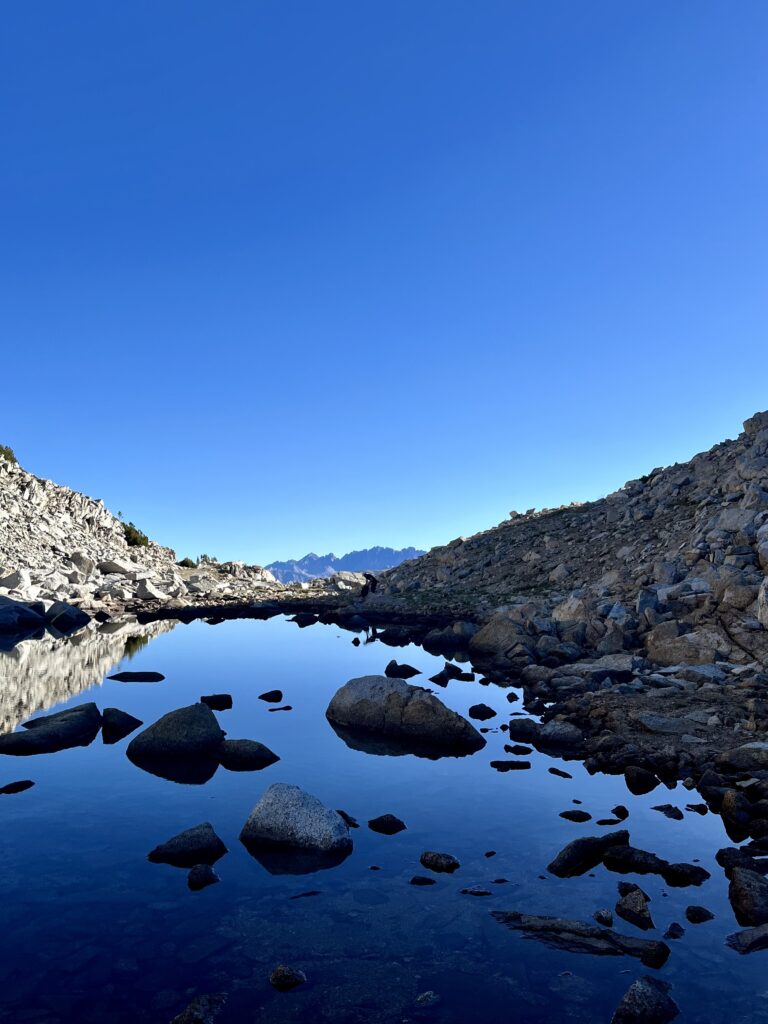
column 59, row 545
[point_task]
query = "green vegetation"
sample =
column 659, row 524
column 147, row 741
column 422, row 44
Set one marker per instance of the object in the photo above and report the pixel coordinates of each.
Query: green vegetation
column 134, row 644
column 187, row 563
column 134, row 536
column 8, row 454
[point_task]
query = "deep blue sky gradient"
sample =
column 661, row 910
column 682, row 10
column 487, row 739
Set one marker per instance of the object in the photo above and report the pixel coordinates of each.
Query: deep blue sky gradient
column 282, row 275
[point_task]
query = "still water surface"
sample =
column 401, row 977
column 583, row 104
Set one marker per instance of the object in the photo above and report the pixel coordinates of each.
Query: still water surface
column 91, row 931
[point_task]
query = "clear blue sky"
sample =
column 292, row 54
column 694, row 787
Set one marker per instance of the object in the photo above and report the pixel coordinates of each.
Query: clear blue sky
column 282, row 275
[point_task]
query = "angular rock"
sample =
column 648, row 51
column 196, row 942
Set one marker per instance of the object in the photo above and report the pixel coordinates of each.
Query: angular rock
column 748, row 893
column 201, row 876
column 117, row 724
column 633, row 907
column 218, row 701
column 197, row 845
column 481, row 712
column 581, row 855
column 639, row 780
column 751, row 940
column 245, row 756
column 646, row 1001
column 395, row 671
column 187, row 733
column 271, row 696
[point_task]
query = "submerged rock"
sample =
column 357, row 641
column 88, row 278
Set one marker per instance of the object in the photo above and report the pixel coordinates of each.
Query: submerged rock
column 193, row 846
column 580, row 937
column 391, row 708
column 577, row 816
column 440, row 862
column 75, row 727
column 245, row 756
column 698, row 915
column 422, row 880
column 284, row 978
column 633, row 907
column 481, row 712
column 646, row 1001
column 202, row 1010
column 201, row 876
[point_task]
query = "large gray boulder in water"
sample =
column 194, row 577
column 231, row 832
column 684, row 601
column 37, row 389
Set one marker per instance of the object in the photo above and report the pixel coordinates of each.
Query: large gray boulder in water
column 409, row 715
column 289, row 816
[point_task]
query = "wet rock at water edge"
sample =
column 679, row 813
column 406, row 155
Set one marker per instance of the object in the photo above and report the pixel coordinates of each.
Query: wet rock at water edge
column 387, row 825
column 75, row 727
column 669, row 811
column 581, row 855
column 218, row 701
column 16, row 787
column 194, row 846
column 748, row 893
column 138, row 677
column 422, row 880
column 646, row 1001
column 271, row 696
column 751, row 940
column 304, row 619
column 639, row 781
column 285, row 978
column 481, row 712
column 393, row 709
column 202, row 1010
column 524, row 729
column 559, row 773
column 440, row 862
column 675, row 931
column 577, row 816
column 580, row 937
column 117, row 724
column 289, row 831
column 510, row 766
column 245, row 756
column 604, row 917
column 633, row 907
column 201, row 876
column 395, row 671
column 698, row 915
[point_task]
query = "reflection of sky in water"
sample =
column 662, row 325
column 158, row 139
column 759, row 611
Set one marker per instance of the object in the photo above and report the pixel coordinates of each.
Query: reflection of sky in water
column 94, row 932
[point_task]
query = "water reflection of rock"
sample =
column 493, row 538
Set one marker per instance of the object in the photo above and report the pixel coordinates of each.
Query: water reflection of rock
column 37, row 674
column 395, row 746
column 280, row 859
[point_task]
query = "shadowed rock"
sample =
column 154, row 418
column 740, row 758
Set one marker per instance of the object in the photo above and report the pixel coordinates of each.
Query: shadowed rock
column 750, row 940
column 201, row 876
column 16, row 787
column 197, row 845
column 581, row 855
column 182, row 746
column 748, row 893
column 387, row 825
column 646, row 1001
column 138, row 677
column 75, row 727
column 218, row 701
column 117, row 724
column 395, row 710
column 396, row 671
column 580, row 937
column 245, row 756
column 202, row 1010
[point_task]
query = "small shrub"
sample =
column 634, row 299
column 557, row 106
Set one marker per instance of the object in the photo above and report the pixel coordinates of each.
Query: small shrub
column 134, row 536
column 187, row 563
column 8, row 454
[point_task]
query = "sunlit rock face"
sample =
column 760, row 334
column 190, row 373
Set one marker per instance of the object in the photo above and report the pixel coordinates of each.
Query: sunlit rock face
column 37, row 674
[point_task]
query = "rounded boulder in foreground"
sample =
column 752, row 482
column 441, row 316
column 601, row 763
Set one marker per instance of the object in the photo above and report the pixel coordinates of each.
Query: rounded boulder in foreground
column 382, row 707
column 289, row 816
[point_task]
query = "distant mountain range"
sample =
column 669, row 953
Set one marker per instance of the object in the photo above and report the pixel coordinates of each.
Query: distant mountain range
column 296, row 570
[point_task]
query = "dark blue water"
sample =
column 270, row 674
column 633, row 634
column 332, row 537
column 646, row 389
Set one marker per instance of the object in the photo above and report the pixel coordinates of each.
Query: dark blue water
column 91, row 931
